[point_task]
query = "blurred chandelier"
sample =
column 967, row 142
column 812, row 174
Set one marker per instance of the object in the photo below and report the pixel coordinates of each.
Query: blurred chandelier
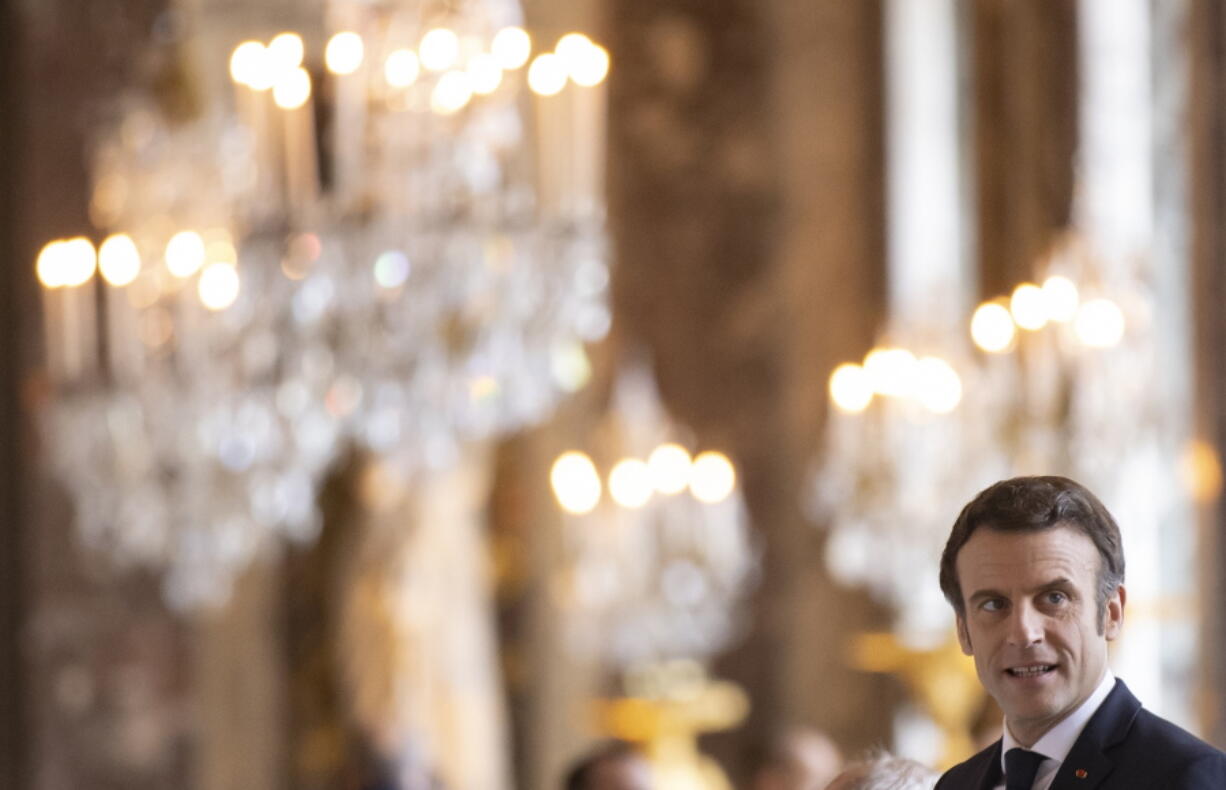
column 1045, row 390
column 387, row 244
column 650, row 576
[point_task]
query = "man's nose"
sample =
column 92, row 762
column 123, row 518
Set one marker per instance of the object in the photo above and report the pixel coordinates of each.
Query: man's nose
column 1025, row 626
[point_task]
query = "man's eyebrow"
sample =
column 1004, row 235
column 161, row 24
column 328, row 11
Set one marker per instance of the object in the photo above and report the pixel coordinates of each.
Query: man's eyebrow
column 979, row 595
column 988, row 592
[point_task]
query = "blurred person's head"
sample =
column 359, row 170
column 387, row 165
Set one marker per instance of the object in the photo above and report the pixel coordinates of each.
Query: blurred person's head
column 1034, row 568
column 884, row 771
column 613, row 765
column 797, row 759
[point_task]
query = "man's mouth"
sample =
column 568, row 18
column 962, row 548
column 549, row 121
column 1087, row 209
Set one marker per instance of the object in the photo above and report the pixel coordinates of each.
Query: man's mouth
column 1030, row 670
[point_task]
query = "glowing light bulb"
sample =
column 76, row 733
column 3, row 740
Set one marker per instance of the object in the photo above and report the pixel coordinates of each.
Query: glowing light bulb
column 185, row 253
column 1062, row 299
column 285, row 53
column 592, row 67
column 630, row 483
column 571, row 48
column 937, row 385
column 850, row 388
column 255, row 66
column 1100, row 323
column 485, row 73
column 992, row 327
column 344, row 53
column 402, row 68
column 119, row 260
column 890, row 371
column 218, row 286
column 49, row 266
column 669, row 465
column 293, row 89
column 575, row 482
column 1029, row 307
column 451, row 93
column 439, row 49
column 547, row 75
column 246, row 62
column 712, row 477
column 79, row 261
column 512, row 46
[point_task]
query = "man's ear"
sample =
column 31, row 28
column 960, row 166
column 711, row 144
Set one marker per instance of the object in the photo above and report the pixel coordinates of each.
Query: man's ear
column 964, row 636
column 1113, row 617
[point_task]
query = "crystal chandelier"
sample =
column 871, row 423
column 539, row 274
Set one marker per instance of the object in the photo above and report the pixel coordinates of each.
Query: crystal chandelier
column 1042, row 374
column 654, row 571
column 392, row 241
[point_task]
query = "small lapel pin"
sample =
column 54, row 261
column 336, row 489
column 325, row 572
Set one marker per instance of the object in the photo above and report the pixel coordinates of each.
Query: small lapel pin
column 1081, row 773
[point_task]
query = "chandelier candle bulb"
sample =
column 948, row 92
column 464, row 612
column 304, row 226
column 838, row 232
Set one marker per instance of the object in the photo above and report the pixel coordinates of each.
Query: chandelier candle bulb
column 992, row 328
column 1029, row 307
column 576, row 485
column 712, row 477
column 1062, row 299
column 299, row 147
column 285, row 52
column 344, row 53
column 245, row 62
column 630, row 483
column 850, row 388
column 402, row 68
column 512, row 46
column 218, row 286
column 78, row 315
column 439, row 49
column 588, row 109
column 119, row 260
column 50, row 277
column 669, row 465
column 345, row 58
column 891, row 371
column 552, row 146
column 184, row 254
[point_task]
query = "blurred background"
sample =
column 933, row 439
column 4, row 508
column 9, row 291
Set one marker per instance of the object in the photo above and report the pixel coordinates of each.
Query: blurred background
column 415, row 393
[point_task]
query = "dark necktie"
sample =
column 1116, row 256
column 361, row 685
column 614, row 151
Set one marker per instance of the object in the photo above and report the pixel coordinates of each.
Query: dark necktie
column 1020, row 767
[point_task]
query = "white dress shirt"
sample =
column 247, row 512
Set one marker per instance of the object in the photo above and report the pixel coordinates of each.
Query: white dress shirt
column 1057, row 742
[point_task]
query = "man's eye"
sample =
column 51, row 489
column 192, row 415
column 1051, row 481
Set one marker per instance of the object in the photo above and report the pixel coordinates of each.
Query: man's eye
column 992, row 605
column 1056, row 598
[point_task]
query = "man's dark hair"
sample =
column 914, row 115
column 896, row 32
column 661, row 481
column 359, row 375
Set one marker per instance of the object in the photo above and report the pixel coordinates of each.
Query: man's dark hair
column 582, row 773
column 1033, row 504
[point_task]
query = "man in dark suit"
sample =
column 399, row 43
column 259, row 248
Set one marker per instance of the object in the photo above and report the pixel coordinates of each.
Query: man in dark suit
column 1034, row 568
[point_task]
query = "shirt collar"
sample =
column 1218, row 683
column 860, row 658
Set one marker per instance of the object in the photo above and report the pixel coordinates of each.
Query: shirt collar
column 1057, row 742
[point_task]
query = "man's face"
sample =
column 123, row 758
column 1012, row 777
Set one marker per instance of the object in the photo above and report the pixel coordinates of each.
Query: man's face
column 1031, row 622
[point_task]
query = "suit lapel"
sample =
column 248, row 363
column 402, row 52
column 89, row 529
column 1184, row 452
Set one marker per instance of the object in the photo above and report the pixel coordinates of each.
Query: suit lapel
column 989, row 771
column 1087, row 763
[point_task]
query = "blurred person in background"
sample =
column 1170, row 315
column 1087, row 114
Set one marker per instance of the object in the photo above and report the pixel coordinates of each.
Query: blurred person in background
column 613, row 765
column 800, row 758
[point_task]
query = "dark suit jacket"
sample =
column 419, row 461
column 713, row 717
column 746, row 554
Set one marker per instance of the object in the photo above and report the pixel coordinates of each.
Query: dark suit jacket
column 1123, row 747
